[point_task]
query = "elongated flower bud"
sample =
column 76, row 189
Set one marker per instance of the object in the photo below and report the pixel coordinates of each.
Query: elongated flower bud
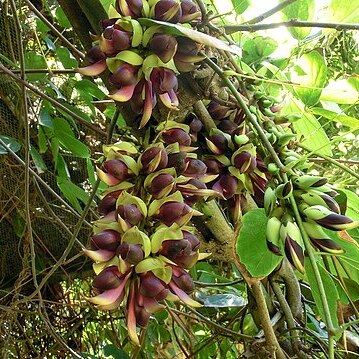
column 125, row 75
column 190, row 11
column 164, row 46
column 131, row 253
column 226, row 185
column 109, row 278
column 174, row 212
column 107, row 239
column 219, row 112
column 182, row 279
column 132, row 8
column 108, row 203
column 177, row 160
column 214, row 167
column 217, row 143
column 130, row 214
column 195, row 168
column 154, row 159
column 167, row 10
column 116, row 169
column 174, row 135
column 153, row 287
column 329, row 219
column 161, row 185
column 163, row 80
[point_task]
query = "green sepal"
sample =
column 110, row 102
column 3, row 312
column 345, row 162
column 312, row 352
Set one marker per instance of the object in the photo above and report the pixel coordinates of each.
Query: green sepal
column 125, row 198
column 164, row 234
column 135, row 236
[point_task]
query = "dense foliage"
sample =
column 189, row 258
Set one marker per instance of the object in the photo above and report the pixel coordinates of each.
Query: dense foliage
column 201, row 191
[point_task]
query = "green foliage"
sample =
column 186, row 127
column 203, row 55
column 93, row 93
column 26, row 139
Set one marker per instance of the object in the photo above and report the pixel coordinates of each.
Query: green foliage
column 303, row 10
column 252, row 239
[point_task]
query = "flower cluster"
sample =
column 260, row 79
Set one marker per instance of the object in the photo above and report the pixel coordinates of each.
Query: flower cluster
column 232, row 156
column 143, row 245
column 142, row 60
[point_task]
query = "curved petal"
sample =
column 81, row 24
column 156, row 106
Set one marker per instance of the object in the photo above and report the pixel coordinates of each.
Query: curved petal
column 100, row 255
column 123, row 94
column 94, row 69
column 183, row 296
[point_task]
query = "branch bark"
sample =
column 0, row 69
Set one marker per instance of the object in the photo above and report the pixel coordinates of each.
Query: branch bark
column 231, row 29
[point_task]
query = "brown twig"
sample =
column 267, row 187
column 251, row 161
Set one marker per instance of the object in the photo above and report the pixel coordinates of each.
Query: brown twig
column 270, row 12
column 230, row 29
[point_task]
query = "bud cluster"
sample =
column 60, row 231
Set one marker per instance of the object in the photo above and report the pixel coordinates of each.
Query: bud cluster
column 142, row 60
column 318, row 209
column 143, row 245
column 232, row 156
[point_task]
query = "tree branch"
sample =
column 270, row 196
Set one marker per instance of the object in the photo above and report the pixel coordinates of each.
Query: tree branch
column 230, row 29
column 270, row 12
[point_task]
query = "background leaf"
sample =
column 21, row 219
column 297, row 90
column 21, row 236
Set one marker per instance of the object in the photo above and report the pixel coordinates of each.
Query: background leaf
column 311, row 71
column 308, row 127
column 11, row 143
column 299, row 10
column 330, row 291
column 251, row 245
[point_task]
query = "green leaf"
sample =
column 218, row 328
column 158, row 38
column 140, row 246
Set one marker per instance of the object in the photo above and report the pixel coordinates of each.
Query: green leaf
column 179, row 30
column 67, row 59
column 106, row 4
column 313, row 74
column 72, row 193
column 19, row 225
column 258, row 48
column 35, row 61
column 251, row 245
column 352, row 204
column 222, row 300
column 11, row 143
column 351, row 122
column 308, row 127
column 343, row 11
column 240, row 6
column 61, row 18
column 110, row 350
column 42, row 140
column 73, row 145
column 341, row 92
column 300, row 10
column 89, row 90
column 45, row 118
column 38, row 161
column 330, row 289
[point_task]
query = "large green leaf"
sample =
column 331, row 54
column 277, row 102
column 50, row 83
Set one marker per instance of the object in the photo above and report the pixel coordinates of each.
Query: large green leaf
column 352, row 204
column 330, row 289
column 308, row 127
column 251, row 245
column 258, row 48
column 65, row 135
column 9, row 142
column 343, row 11
column 240, row 6
column 73, row 193
column 310, row 71
column 35, row 61
column 300, row 10
column 200, row 37
column 351, row 122
column 340, row 91
column 67, row 59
